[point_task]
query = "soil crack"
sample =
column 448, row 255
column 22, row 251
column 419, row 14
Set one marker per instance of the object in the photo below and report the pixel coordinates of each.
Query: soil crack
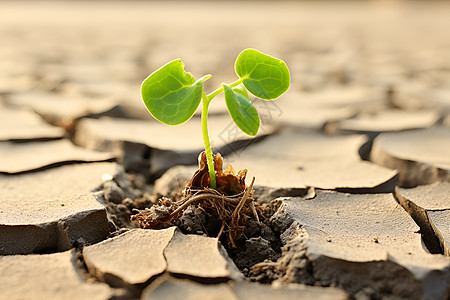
column 430, row 234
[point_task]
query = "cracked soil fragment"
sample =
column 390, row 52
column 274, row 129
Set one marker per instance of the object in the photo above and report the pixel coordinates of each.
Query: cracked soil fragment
column 170, row 288
column 429, row 206
column 20, row 125
column 420, row 156
column 365, row 244
column 47, row 276
column 61, row 110
column 131, row 258
column 16, row 158
column 53, row 209
column 173, row 289
column 199, row 256
column 136, row 257
column 389, row 120
column 296, row 159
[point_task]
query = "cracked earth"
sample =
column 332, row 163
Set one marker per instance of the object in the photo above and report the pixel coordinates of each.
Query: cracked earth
column 352, row 164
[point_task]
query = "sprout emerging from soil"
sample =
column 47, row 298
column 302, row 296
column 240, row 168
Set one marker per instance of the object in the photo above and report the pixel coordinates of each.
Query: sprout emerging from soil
column 172, row 96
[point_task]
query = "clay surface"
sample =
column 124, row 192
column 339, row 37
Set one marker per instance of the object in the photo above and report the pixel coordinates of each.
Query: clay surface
column 421, row 156
column 16, row 157
column 39, row 277
column 136, row 256
column 369, row 238
column 367, row 113
column 176, row 289
column 132, row 258
column 202, row 257
column 170, row 288
column 390, row 120
column 60, row 110
column 20, row 125
column 429, row 206
column 53, row 209
column 301, row 159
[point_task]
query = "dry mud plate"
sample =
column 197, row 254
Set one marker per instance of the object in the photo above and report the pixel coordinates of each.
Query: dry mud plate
column 348, row 244
column 351, row 165
column 421, row 156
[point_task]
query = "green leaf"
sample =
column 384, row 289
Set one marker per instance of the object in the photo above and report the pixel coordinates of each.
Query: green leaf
column 240, row 89
column 172, row 95
column 263, row 75
column 242, row 111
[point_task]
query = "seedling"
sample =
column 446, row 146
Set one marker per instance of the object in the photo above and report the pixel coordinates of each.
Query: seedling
column 172, row 95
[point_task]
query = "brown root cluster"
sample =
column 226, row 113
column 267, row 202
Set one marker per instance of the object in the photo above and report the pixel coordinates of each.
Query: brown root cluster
column 231, row 203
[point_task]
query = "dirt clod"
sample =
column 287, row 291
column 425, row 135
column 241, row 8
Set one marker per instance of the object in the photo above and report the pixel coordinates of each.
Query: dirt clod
column 192, row 220
column 256, row 250
column 113, row 193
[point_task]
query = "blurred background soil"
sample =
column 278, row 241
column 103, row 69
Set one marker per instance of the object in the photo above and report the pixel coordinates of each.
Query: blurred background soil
column 106, row 48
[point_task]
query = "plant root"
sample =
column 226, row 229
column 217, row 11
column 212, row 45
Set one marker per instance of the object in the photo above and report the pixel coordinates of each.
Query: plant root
column 231, row 203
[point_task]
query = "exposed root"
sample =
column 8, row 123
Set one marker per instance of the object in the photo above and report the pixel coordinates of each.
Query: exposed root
column 231, row 203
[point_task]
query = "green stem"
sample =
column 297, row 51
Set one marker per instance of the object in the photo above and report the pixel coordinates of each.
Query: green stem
column 220, row 89
column 205, row 105
column 206, row 142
